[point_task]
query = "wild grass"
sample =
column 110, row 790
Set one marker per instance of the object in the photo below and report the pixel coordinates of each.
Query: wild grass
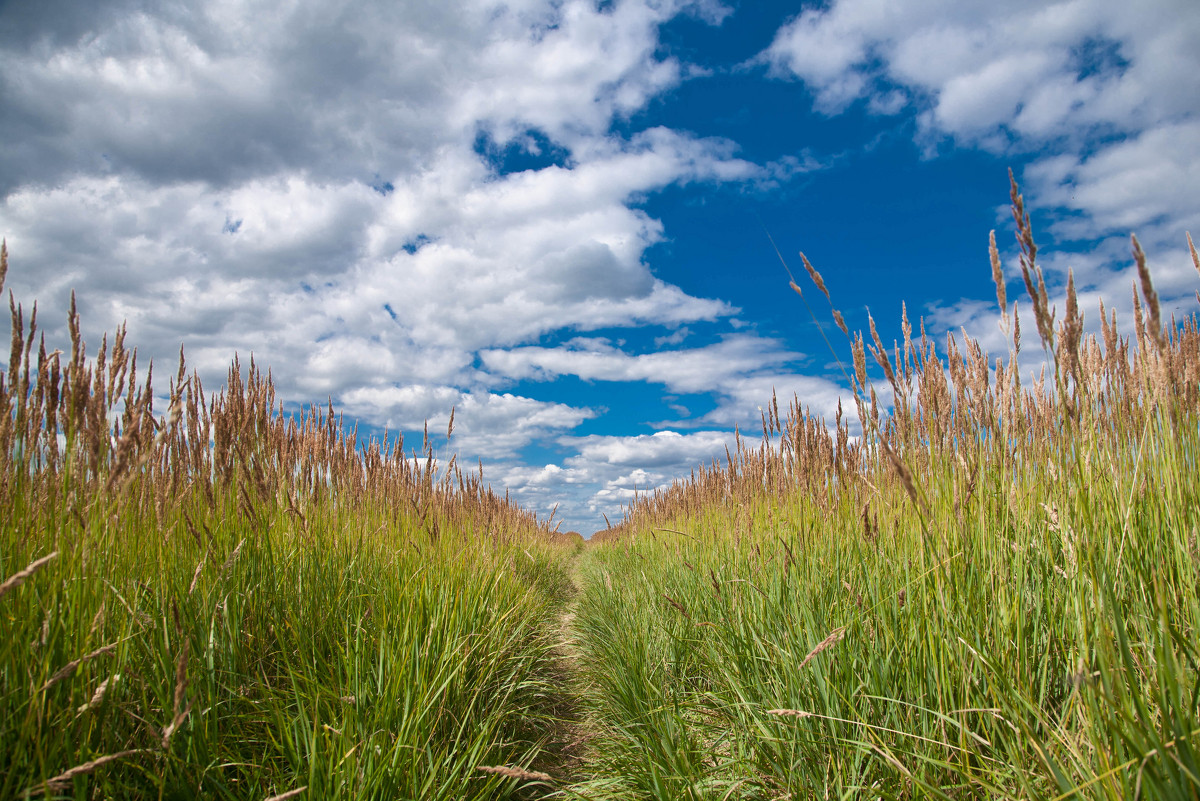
column 994, row 591
column 988, row 587
column 229, row 601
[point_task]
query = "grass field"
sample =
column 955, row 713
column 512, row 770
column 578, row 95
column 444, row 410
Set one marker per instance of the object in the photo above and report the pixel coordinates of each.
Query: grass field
column 987, row 587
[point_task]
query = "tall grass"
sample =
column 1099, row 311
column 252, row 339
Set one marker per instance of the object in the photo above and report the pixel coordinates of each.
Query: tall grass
column 228, row 601
column 994, row 591
column 989, row 587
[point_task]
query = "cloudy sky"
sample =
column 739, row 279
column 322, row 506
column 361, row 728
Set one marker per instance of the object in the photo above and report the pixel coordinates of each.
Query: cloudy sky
column 553, row 216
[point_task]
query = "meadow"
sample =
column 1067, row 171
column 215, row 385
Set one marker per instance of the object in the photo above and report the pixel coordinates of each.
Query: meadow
column 991, row 593
column 985, row 587
column 224, row 601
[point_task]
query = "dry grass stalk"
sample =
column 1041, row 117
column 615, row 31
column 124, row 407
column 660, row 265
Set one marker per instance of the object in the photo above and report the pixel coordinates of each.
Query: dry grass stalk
column 196, row 575
column 1072, row 330
column 678, row 607
column 841, row 322
column 181, row 707
column 515, row 773
column 232, row 558
column 998, row 277
column 20, row 577
column 1191, row 250
column 1154, row 314
column 1035, row 283
column 98, row 695
column 860, row 361
column 891, row 759
column 881, row 356
column 98, row 619
column 816, row 277
column 906, row 477
column 790, row 713
column 834, row 637
column 69, row 668
column 289, row 794
column 63, row 780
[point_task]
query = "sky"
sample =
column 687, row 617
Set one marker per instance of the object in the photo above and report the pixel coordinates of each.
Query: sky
column 556, row 217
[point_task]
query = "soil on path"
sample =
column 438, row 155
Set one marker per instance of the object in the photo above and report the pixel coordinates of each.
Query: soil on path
column 564, row 756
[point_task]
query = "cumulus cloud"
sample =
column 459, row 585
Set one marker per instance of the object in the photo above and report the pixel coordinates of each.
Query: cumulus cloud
column 741, row 372
column 1145, row 182
column 1039, row 70
column 312, row 192
column 320, row 187
column 660, row 449
column 1108, row 94
column 208, row 92
column 617, row 467
column 1103, row 98
column 485, row 424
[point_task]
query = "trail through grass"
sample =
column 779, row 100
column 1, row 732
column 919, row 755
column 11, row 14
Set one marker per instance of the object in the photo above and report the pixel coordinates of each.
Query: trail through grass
column 989, row 588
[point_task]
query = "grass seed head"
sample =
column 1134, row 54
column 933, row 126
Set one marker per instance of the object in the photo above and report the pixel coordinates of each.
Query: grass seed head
column 21, row 576
column 515, row 773
column 834, row 637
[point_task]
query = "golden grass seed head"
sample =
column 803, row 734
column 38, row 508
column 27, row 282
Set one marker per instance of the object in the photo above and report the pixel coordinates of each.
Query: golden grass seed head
column 1154, row 314
column 515, row 773
column 21, row 576
column 816, row 277
column 998, row 275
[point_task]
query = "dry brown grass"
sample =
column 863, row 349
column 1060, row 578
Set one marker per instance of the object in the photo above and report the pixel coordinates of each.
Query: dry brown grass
column 515, row 773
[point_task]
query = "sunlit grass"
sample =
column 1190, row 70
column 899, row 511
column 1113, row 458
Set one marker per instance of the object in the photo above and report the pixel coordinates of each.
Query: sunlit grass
column 988, row 588
column 225, row 601
column 992, row 593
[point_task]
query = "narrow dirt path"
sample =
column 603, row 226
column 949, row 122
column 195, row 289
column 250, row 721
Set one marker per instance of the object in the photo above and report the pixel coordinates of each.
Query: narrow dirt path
column 564, row 756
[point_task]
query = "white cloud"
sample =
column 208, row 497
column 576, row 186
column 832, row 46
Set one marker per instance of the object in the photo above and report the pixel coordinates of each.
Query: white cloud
column 1043, row 70
column 820, row 48
column 1146, row 180
column 676, row 337
column 1105, row 98
column 1075, row 78
column 689, row 370
column 227, row 199
column 740, row 372
column 744, row 398
column 486, row 424
column 211, row 92
column 661, row 449
column 609, row 470
column 305, row 184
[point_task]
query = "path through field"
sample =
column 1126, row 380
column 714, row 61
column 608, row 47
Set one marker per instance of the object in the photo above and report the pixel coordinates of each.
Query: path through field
column 564, row 757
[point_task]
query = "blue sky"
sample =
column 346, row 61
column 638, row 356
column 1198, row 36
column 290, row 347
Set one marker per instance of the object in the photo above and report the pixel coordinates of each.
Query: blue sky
column 553, row 216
